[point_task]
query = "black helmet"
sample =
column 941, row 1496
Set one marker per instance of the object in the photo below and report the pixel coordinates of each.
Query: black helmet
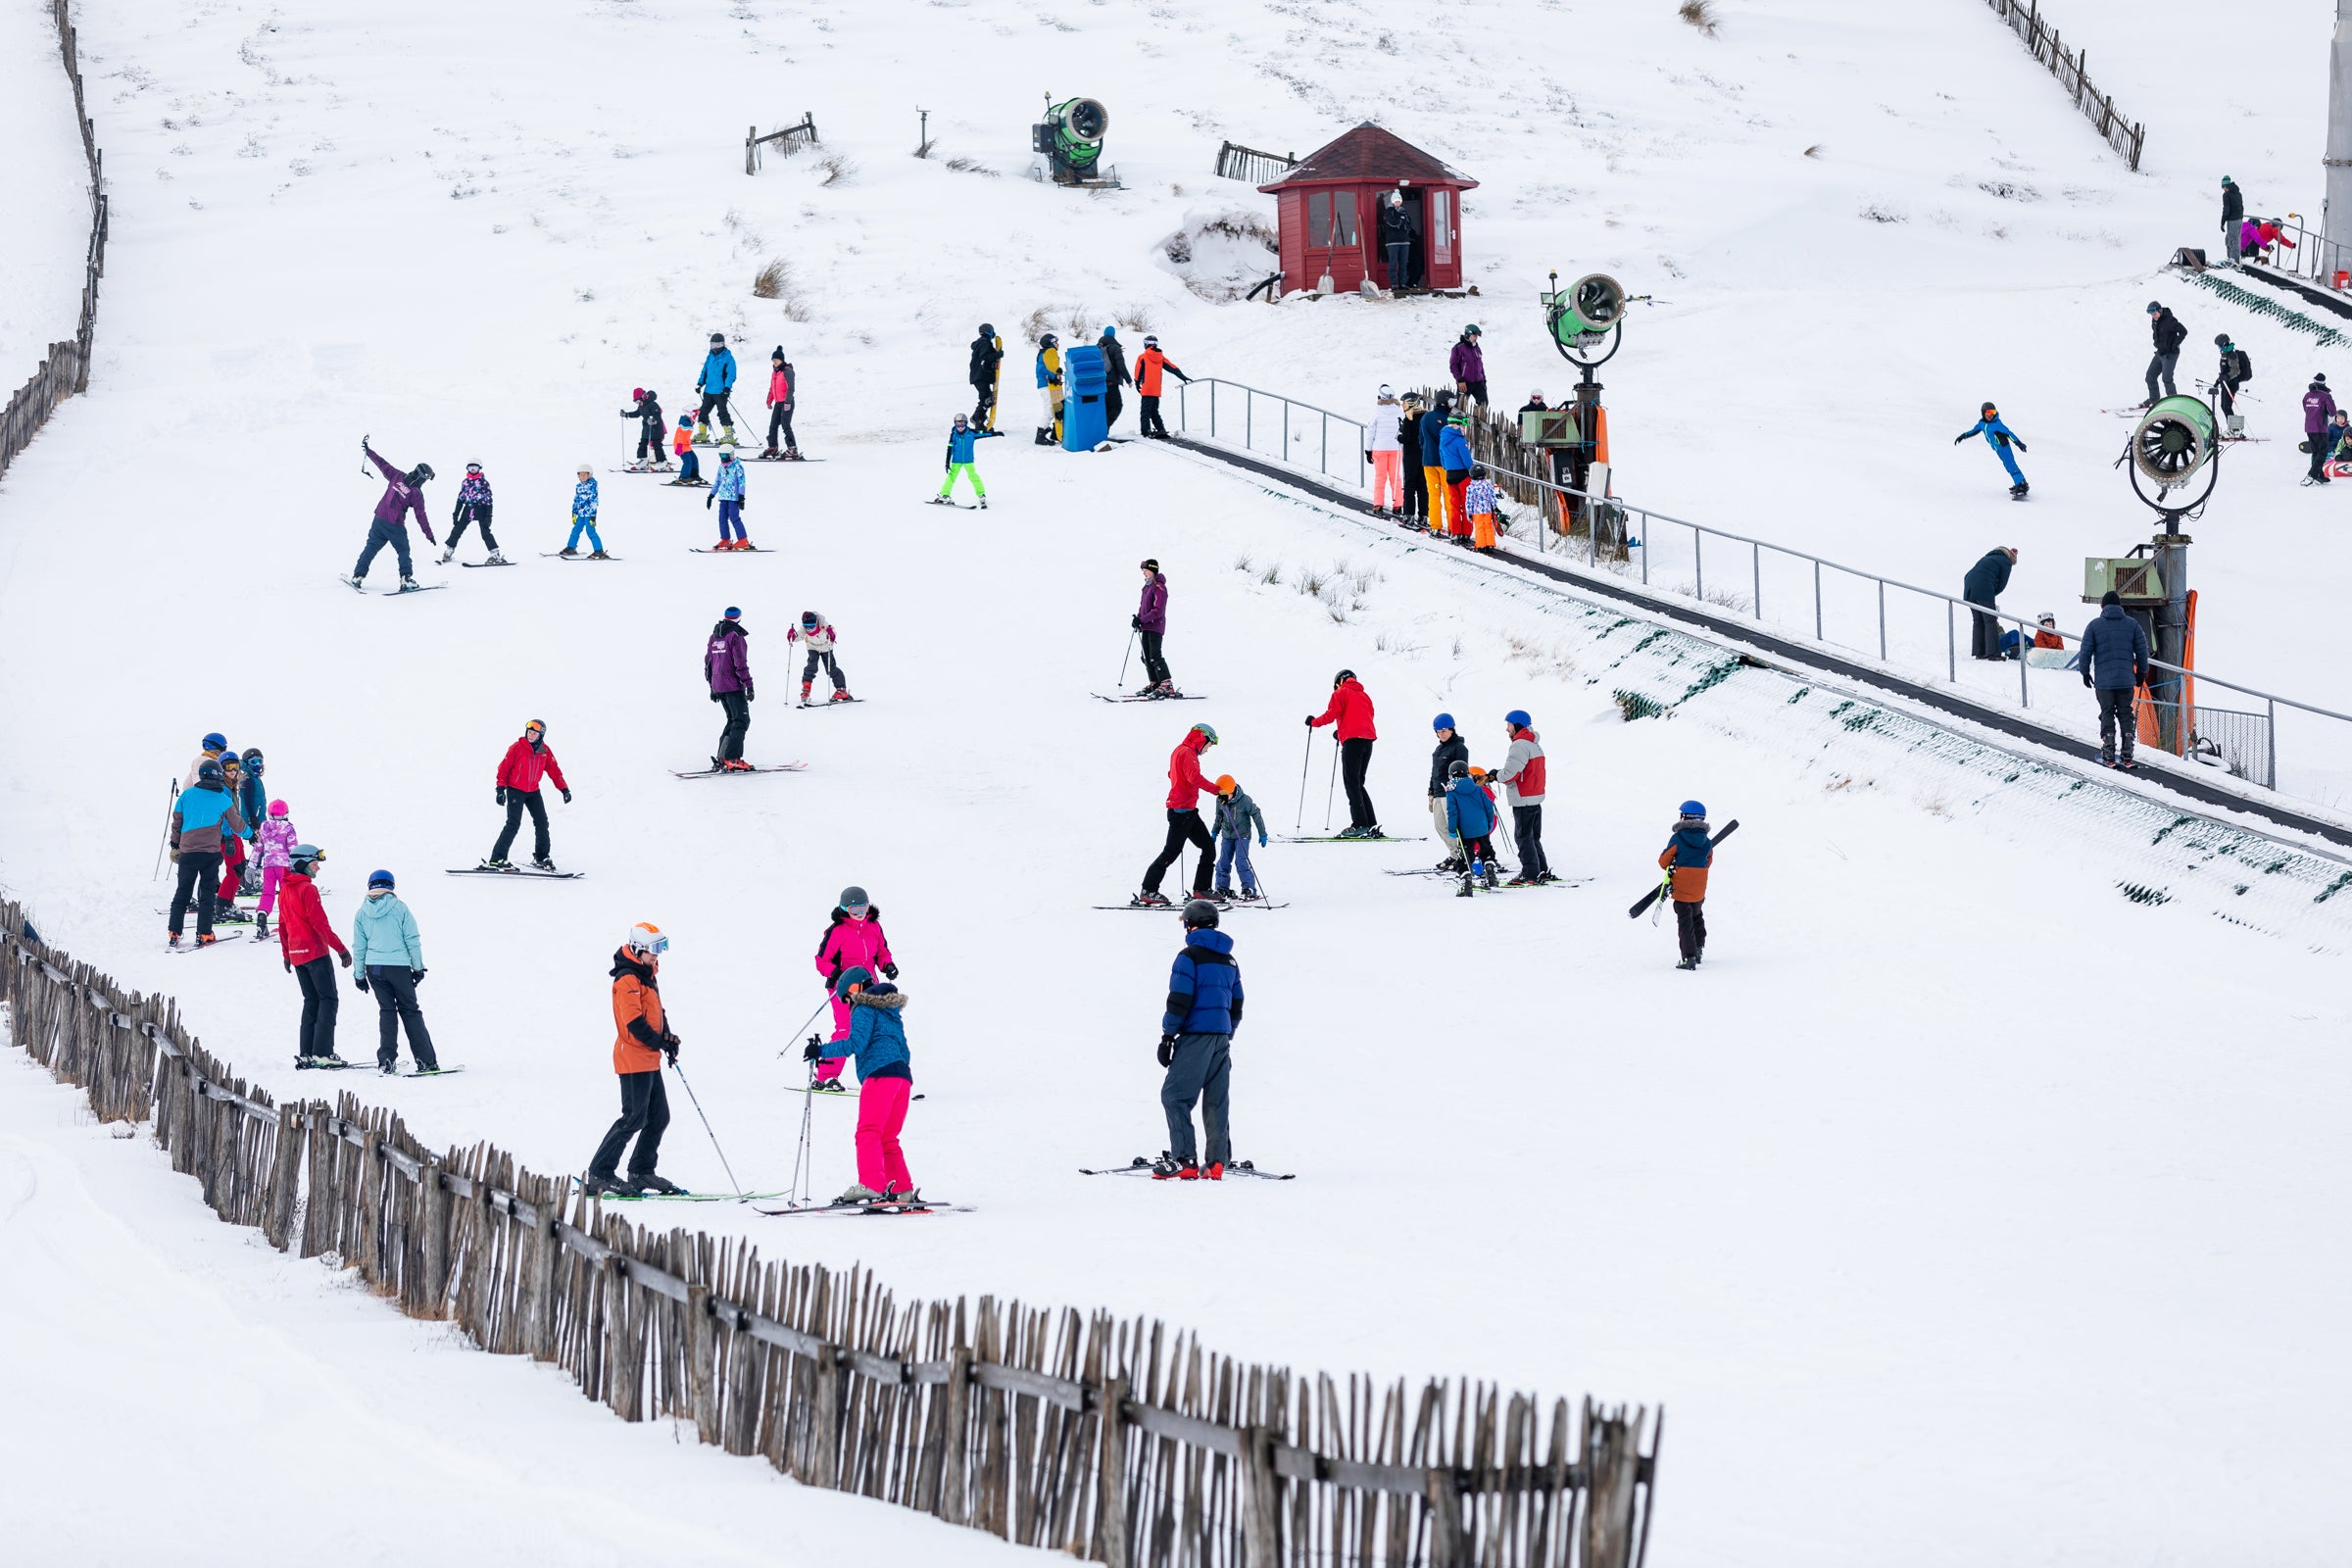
column 986, row 330
column 2221, row 340
column 1345, row 674
column 854, row 898
column 419, row 474
column 1457, row 768
column 1200, row 912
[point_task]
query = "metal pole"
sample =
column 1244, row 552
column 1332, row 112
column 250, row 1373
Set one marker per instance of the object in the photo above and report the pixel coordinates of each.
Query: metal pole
column 2025, row 693
column 1698, row 563
column 2270, row 766
column 1951, row 643
column 1817, row 637
column 1881, row 582
column 2336, row 217
column 1306, row 757
column 1286, row 429
column 1755, row 553
column 1645, row 549
column 1330, row 788
column 1248, row 419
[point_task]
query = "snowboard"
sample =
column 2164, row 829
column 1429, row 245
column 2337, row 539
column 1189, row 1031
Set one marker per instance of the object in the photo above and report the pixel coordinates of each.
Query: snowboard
column 518, row 870
column 359, row 587
column 1138, row 697
column 558, row 555
column 1665, row 884
column 475, row 565
column 719, row 772
column 753, row 549
column 221, row 939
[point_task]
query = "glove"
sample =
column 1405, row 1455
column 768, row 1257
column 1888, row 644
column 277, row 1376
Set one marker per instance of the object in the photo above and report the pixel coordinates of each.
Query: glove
column 1167, row 1049
column 714, row 696
column 2022, row 447
column 1311, row 722
column 416, row 976
column 749, row 695
column 812, row 1052
column 502, row 795
column 2086, row 682
column 175, row 854
column 889, row 971
column 289, row 963
column 669, row 1049
column 743, row 504
column 1956, row 440
column 360, row 981
column 567, row 797
column 706, row 500
column 1262, row 841
column 1135, row 622
column 346, row 958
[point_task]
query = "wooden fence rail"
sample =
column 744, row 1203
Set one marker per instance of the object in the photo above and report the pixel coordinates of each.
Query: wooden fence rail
column 2042, row 42
column 66, row 368
column 1237, row 161
column 792, row 138
column 1117, row 1441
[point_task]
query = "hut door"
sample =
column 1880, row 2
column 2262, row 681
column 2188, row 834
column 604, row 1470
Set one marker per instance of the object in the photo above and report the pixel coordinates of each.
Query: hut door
column 1334, row 239
column 1441, row 233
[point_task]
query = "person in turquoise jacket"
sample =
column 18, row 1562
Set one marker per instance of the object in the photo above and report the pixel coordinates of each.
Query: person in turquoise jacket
column 726, row 490
column 583, row 518
column 2000, row 438
column 714, row 383
column 961, row 439
column 389, row 958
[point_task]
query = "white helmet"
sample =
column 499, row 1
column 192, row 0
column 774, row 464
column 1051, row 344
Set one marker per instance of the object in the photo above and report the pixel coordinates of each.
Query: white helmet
column 646, row 936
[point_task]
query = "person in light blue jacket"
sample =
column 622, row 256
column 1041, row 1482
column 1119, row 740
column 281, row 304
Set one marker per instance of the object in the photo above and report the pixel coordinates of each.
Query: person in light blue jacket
column 726, row 490
column 583, row 518
column 2000, row 438
column 389, row 958
column 715, row 382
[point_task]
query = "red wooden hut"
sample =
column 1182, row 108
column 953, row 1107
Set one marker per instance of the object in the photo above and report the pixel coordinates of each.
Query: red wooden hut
column 1328, row 212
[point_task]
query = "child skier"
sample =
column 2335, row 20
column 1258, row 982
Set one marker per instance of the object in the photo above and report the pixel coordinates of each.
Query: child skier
column 1480, row 498
column 878, row 1038
column 651, row 428
column 1470, row 820
column 583, row 518
column 277, row 840
column 961, row 439
column 1236, row 813
column 473, row 507
column 780, row 409
column 1999, row 437
column 727, row 491
column 641, row 1039
column 385, row 947
column 1195, row 1047
column 727, row 667
column 1685, row 859
column 1151, row 620
column 852, row 941
column 306, row 936
column 690, row 467
column 527, row 763
column 818, row 633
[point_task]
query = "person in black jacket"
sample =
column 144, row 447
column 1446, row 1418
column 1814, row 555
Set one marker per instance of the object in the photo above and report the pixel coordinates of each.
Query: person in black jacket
column 987, row 354
column 1451, row 749
column 2233, row 213
column 1982, row 585
column 2115, row 663
column 1114, row 376
column 1415, row 511
column 2235, row 370
column 1396, row 240
column 653, row 435
column 2166, row 329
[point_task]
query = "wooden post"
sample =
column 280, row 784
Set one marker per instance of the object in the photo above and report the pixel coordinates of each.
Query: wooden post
column 284, row 1178
column 1612, row 1458
column 702, row 1362
column 542, row 1289
column 432, row 1207
column 1446, row 1547
column 1261, row 1501
column 750, row 150
column 954, row 1479
column 824, row 1457
column 1110, row 1475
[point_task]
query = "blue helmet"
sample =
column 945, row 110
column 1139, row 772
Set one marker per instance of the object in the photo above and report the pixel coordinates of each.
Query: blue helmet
column 1441, row 721
column 1517, row 718
column 216, row 741
column 1693, row 809
column 379, row 879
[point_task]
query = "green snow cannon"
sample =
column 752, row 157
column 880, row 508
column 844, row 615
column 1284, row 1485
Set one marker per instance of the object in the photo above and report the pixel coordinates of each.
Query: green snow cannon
column 1581, row 315
column 2172, row 440
column 1071, row 135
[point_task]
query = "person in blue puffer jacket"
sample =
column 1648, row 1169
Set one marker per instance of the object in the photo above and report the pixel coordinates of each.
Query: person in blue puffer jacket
column 1454, row 457
column 962, row 438
column 885, row 1083
column 1196, row 1045
column 726, row 490
column 583, row 518
column 1432, row 460
column 1470, row 822
column 715, row 382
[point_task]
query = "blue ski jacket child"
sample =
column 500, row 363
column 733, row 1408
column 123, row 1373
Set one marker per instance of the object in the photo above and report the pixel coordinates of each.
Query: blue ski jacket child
column 728, row 486
column 1995, row 432
column 1453, row 448
column 1204, row 987
column 1469, row 815
column 960, row 443
column 583, row 499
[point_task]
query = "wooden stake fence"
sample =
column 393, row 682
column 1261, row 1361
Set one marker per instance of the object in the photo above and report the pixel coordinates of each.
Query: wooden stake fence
column 2041, row 40
column 1116, row 1440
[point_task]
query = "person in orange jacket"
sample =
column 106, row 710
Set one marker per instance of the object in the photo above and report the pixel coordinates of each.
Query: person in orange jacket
column 1149, row 365
column 1351, row 714
column 640, row 1043
column 1685, row 859
column 1186, row 785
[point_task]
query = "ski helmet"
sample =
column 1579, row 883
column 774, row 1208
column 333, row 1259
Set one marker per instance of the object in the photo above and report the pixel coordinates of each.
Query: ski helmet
column 473, row 468
column 1693, row 809
column 1457, row 768
column 1478, row 774
column 1049, row 341
column 2154, row 305
column 305, row 855
column 251, row 754
column 378, row 878
column 853, row 899
column 725, row 458
column 855, row 975
column 420, row 473
column 216, row 741
column 1471, row 330
column 208, row 768
column 1199, row 913
column 986, row 330
column 1441, row 721
column 1209, row 730
column 278, row 808
column 719, row 339
column 1384, row 390
column 1150, row 342
column 1987, row 410
column 2221, row 340
column 539, row 724
column 809, row 617
column 1345, row 674
column 963, row 422
column 1517, row 718
column 647, row 937
column 1225, row 784
column 638, row 393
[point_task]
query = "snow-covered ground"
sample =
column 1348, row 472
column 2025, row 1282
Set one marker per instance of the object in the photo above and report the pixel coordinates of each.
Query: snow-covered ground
column 47, row 184
column 1955, row 1174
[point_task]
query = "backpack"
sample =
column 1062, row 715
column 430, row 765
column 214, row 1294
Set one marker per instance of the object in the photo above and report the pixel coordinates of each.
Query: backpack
column 2241, row 367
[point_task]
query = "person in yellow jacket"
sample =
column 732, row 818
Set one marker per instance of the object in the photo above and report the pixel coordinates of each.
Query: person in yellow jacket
column 1048, row 390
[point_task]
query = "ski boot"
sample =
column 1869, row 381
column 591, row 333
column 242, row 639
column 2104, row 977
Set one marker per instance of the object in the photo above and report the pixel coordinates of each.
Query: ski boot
column 598, row 555
column 984, row 503
column 409, row 585
column 1168, row 1167
column 805, row 685
column 793, row 455
column 496, row 559
column 738, row 765
column 828, row 1086
column 540, row 862
column 567, row 551
column 596, row 1185
column 171, row 940
column 1148, row 900
column 910, row 1199
column 769, row 451
column 1214, row 895
column 1464, row 891
column 743, row 544
column 447, row 556
column 1249, row 896
column 1213, row 1171
column 842, row 695
column 857, row 1197
column 1045, row 437
column 260, row 927
column 1687, row 963
column 1485, row 875
column 651, row 1183
column 491, row 864
column 726, row 435
column 940, row 501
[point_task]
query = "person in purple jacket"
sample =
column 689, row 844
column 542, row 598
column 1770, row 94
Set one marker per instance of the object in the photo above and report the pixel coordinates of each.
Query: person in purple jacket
column 1469, row 369
column 727, row 667
column 403, row 493
column 1152, row 620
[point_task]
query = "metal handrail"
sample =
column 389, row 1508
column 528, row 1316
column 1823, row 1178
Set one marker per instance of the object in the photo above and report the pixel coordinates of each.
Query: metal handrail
column 1249, row 397
column 2313, row 255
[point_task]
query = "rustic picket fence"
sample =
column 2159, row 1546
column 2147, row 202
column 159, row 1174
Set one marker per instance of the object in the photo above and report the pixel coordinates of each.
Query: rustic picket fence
column 2041, row 40
column 1116, row 1440
column 65, row 369
column 1237, row 161
column 1511, row 463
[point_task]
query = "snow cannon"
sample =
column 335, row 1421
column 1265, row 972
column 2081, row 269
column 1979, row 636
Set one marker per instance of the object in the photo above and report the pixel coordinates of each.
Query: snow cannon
column 1582, row 315
column 2172, row 440
column 1070, row 139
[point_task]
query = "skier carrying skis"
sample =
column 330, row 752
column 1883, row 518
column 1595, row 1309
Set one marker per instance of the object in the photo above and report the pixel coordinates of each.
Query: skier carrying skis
column 1048, row 389
column 641, row 1039
column 304, row 939
column 1522, row 779
column 878, row 1038
column 527, row 762
column 779, row 408
column 473, row 507
column 1114, row 376
column 390, row 957
column 1186, row 786
column 2115, row 663
column 1195, row 1047
column 652, row 430
column 715, row 382
column 278, row 839
column 403, row 493
column 1451, row 749
column 2000, row 437
column 1151, row 620
column 200, row 818
column 1149, row 367
column 1351, row 712
column 727, row 667
column 1470, row 821
column 2169, row 335
column 988, row 354
column 962, row 438
column 852, row 941
column 1236, row 813
column 583, row 518
column 818, row 635
column 726, row 491
column 1685, row 859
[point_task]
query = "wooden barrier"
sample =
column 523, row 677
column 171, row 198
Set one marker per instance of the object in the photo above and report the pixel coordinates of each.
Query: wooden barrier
column 1116, row 1440
column 2042, row 42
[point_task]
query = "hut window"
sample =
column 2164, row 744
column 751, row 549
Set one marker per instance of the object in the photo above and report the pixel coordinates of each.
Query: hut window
column 1441, row 220
column 1318, row 218
column 1343, row 230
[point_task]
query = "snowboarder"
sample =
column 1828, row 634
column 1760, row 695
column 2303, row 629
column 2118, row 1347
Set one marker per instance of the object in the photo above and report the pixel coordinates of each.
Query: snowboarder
column 390, row 957
column 726, row 491
column 1414, row 510
column 779, row 408
column 2235, row 370
column 304, row 939
column 1048, row 390
column 1981, row 588
column 1468, row 368
column 962, row 438
column 473, row 507
column 641, row 1041
column 519, row 772
column 583, row 518
column 278, row 839
column 988, row 360
column 878, row 1038
column 716, row 383
column 2166, row 329
column 1522, row 779
column 2318, row 407
column 1150, row 367
column 1455, row 458
column 1236, row 813
column 1195, row 1047
column 2000, row 438
column 2233, row 214
column 403, row 493
column 690, row 466
column 1470, row 821
column 818, row 635
column 727, row 667
column 1186, row 785
column 1433, row 461
column 853, row 940
column 1451, row 749
column 201, row 816
column 652, row 430
column 1384, row 451
column 1114, row 376
column 2115, row 665
column 1685, row 859
column 1150, row 620
column 1351, row 712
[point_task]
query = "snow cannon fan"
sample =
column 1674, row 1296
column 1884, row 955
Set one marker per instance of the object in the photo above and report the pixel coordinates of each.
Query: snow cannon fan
column 1584, row 315
column 2174, row 441
column 1070, row 139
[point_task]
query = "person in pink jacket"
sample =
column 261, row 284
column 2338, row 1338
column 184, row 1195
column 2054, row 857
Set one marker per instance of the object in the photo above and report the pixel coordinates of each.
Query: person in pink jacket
column 278, row 839
column 853, row 939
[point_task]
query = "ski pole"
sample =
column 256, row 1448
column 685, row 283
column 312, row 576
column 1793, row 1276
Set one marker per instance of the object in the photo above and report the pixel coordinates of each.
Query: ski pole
column 1328, row 789
column 812, row 1018
column 1304, row 759
column 698, row 1110
column 170, row 794
column 1130, row 654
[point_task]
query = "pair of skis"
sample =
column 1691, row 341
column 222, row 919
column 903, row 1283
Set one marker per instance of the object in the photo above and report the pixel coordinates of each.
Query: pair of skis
column 1666, row 883
column 722, row 772
column 530, row 871
column 1140, row 1167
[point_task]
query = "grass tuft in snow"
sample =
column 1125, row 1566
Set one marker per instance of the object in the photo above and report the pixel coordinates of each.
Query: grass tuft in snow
column 1701, row 13
column 838, row 169
column 972, row 166
column 777, row 281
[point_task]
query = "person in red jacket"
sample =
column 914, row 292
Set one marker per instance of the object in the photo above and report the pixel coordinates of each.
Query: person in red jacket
column 1351, row 710
column 1186, row 785
column 305, row 938
column 526, row 763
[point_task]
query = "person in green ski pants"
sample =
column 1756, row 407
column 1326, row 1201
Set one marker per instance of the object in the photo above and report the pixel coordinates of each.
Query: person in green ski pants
column 961, row 441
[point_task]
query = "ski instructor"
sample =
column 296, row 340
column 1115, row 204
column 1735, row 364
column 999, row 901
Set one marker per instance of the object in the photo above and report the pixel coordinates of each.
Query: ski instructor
column 1351, row 714
column 727, row 667
column 1186, row 785
column 403, row 492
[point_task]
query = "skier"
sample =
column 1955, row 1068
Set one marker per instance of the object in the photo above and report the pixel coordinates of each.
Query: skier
column 390, row 957
column 1414, row 510
column 1384, row 451
column 1048, row 390
column 403, row 493
column 1351, row 712
column 278, row 839
column 1453, row 457
column 853, row 940
column 473, row 507
column 2233, row 214
column 519, row 772
column 641, row 1039
column 1451, row 749
column 2234, row 371
column 726, row 490
column 1433, row 461
column 1522, row 778
column 1685, row 859
column 779, row 408
column 1195, row 1047
column 232, row 845
column 2318, row 407
column 716, row 383
column 2000, row 438
column 820, row 636
column 1483, row 503
column 253, row 805
column 1114, row 376
column 1236, row 813
column 2115, row 665
column 690, row 466
column 201, row 817
column 962, row 438
column 727, row 667
column 1151, row 620
column 305, row 938
column 212, row 748
column 1470, row 822
column 583, row 518
column 877, row 1037
column 1468, row 366
column 988, row 357
column 1186, row 786
column 2166, row 329
column 1149, row 368
column 1981, row 588
column 652, row 430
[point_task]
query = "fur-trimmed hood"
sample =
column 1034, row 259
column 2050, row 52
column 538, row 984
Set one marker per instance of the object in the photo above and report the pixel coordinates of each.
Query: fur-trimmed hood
column 885, row 995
